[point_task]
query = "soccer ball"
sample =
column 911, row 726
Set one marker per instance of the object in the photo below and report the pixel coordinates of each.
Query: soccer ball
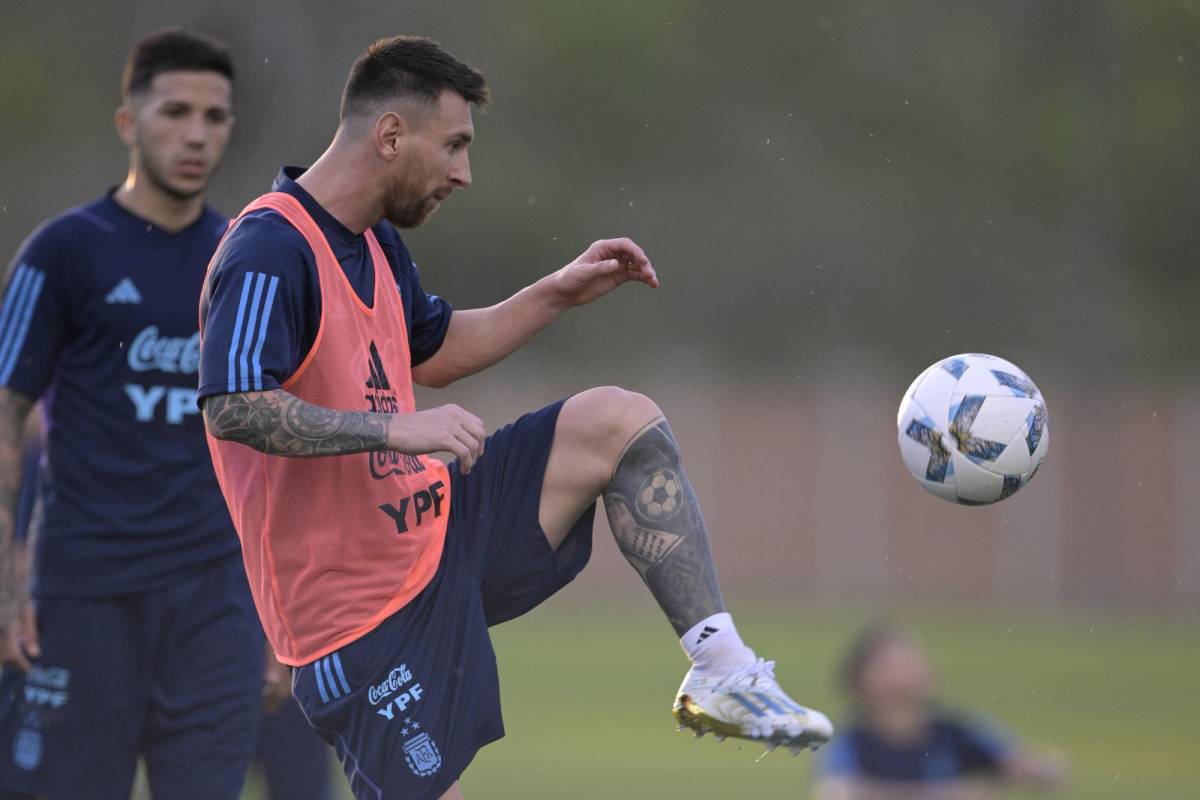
column 973, row 429
column 659, row 499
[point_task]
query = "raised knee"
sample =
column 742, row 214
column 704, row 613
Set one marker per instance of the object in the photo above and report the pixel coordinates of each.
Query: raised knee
column 612, row 415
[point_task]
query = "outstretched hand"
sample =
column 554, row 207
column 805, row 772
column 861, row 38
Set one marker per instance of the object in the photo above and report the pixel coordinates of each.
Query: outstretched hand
column 601, row 268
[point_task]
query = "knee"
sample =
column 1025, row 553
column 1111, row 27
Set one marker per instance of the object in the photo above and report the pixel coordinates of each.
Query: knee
column 609, row 416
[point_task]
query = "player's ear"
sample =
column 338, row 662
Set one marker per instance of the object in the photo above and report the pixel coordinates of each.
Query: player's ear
column 123, row 118
column 390, row 130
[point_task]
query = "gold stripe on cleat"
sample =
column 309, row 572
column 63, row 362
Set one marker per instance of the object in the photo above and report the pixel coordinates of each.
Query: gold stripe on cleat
column 688, row 715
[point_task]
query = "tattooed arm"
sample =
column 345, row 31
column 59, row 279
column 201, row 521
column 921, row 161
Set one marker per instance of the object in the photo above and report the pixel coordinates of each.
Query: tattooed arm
column 278, row 423
column 14, row 407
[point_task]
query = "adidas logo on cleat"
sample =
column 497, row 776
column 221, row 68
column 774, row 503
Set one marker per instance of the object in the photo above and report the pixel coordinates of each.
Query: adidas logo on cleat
column 707, row 632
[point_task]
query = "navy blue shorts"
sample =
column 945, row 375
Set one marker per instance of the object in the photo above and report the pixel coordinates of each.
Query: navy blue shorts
column 174, row 675
column 407, row 706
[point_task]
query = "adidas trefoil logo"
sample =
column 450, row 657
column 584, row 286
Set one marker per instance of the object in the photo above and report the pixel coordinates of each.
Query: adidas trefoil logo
column 124, row 292
column 707, row 632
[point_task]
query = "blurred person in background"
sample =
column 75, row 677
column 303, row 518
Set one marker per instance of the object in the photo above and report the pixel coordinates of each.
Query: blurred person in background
column 293, row 760
column 900, row 745
column 143, row 639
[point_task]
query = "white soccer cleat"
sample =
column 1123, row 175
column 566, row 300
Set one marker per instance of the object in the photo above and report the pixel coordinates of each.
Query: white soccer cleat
column 746, row 702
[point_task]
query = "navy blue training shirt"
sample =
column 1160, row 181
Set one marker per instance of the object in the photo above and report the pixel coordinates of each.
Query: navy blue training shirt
column 949, row 749
column 262, row 307
column 99, row 320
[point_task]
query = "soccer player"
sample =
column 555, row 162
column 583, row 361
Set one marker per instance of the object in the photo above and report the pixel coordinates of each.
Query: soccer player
column 375, row 568
column 146, row 641
column 901, row 746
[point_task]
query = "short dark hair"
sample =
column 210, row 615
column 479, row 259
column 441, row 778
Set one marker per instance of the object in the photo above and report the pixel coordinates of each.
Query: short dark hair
column 411, row 66
column 173, row 50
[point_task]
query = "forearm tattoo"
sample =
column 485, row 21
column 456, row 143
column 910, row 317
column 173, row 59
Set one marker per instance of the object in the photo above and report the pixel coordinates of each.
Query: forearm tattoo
column 656, row 520
column 13, row 409
column 281, row 424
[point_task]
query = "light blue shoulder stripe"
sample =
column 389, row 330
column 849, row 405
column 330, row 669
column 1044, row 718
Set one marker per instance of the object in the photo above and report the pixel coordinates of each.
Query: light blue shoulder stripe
column 12, row 299
column 248, row 337
column 237, row 333
column 268, row 304
column 23, row 315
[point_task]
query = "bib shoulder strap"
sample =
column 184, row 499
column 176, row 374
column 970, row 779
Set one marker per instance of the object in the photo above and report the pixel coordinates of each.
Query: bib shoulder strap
column 291, row 210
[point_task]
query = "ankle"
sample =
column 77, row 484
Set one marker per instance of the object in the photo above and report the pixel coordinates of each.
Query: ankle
column 714, row 642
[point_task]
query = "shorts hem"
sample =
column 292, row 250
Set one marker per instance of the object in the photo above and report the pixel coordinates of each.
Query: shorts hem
column 481, row 741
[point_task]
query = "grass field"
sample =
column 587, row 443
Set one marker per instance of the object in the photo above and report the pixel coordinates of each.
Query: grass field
column 587, row 693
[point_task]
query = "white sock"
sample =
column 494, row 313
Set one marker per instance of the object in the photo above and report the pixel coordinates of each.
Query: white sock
column 714, row 642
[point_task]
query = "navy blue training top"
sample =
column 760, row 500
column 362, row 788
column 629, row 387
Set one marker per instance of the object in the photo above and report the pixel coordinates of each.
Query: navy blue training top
column 949, row 749
column 99, row 320
column 262, row 306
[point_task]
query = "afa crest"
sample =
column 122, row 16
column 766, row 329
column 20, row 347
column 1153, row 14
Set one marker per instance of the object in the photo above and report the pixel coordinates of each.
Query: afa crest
column 422, row 755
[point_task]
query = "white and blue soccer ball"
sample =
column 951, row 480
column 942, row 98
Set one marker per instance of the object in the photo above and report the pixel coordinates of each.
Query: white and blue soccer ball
column 973, row 429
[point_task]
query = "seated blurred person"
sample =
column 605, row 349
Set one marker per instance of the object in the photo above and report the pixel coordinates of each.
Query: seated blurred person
column 899, row 745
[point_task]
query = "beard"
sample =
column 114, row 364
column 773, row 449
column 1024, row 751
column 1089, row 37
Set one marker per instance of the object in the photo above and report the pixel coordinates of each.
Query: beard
column 156, row 174
column 412, row 214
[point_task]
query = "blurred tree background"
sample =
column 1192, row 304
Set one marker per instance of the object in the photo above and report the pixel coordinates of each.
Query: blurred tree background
column 814, row 179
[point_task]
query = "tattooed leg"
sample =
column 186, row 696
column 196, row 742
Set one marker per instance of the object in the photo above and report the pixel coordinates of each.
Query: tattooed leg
column 656, row 520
